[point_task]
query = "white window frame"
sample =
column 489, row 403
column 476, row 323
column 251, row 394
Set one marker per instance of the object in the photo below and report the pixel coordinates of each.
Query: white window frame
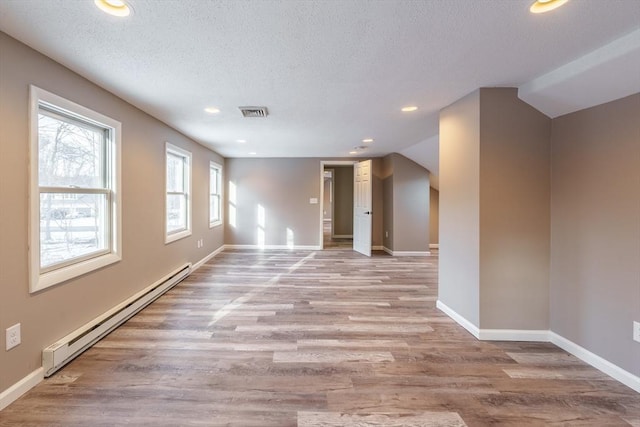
column 213, row 165
column 177, row 151
column 39, row 279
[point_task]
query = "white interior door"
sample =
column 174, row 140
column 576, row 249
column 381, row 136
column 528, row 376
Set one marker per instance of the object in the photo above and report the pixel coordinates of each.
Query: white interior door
column 362, row 207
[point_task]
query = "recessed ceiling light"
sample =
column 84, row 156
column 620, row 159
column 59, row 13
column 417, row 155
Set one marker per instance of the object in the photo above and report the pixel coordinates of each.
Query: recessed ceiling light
column 367, row 140
column 252, row 153
column 409, row 109
column 114, row 7
column 353, row 152
column 212, row 110
column 542, row 6
column 241, row 141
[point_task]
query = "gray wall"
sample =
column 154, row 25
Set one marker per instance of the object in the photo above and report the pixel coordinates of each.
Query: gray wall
column 410, row 205
column 495, row 215
column 50, row 314
column 377, row 202
column 328, row 199
column 459, row 261
column 514, row 212
column 595, row 229
column 343, row 200
column 387, row 197
column 434, row 211
column 405, row 192
column 283, row 188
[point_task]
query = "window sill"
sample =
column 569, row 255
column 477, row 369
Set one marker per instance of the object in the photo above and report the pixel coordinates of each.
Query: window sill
column 177, row 236
column 215, row 224
column 42, row 281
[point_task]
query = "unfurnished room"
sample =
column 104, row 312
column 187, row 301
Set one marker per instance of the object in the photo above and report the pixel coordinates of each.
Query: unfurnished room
column 320, row 213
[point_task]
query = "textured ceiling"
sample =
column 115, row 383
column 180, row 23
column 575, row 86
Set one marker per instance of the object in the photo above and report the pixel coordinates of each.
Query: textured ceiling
column 330, row 72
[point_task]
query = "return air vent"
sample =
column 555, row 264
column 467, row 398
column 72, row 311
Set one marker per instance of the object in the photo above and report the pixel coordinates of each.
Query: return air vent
column 254, row 111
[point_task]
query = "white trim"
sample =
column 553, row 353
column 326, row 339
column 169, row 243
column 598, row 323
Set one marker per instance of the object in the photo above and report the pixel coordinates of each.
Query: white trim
column 204, row 260
column 514, row 335
column 324, row 163
column 343, row 236
column 37, row 280
column 460, row 320
column 434, row 246
column 405, row 253
column 275, row 247
column 377, row 248
column 14, row 392
column 217, row 166
column 603, row 365
column 177, row 151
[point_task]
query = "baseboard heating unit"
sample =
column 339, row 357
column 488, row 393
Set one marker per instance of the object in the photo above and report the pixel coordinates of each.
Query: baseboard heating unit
column 66, row 349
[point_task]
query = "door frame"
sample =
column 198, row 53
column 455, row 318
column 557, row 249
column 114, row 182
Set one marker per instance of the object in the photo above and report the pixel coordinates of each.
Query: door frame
column 324, row 163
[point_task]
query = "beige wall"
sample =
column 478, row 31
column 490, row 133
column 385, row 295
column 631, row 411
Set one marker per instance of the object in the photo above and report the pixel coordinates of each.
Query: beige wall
column 434, row 211
column 514, row 212
column 459, row 261
column 343, row 200
column 54, row 312
column 595, row 229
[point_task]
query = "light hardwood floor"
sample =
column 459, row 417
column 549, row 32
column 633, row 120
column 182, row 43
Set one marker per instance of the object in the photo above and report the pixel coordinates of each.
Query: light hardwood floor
column 326, row 338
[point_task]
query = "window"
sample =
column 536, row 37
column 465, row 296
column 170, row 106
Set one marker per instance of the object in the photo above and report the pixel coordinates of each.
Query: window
column 178, row 204
column 215, row 194
column 75, row 193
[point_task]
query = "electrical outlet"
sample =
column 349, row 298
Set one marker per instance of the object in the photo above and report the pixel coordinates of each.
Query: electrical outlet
column 386, row 234
column 13, row 336
column 636, row 331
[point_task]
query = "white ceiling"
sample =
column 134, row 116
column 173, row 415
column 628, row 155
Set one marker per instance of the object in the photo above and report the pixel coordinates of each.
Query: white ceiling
column 334, row 72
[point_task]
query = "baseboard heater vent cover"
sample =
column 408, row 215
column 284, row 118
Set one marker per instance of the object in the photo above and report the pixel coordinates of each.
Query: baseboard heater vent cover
column 66, row 349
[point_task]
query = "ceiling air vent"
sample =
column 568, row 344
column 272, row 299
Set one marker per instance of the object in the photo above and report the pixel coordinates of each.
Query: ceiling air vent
column 254, row 111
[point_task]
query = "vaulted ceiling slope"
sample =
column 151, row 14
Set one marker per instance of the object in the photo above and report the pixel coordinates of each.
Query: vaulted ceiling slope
column 333, row 73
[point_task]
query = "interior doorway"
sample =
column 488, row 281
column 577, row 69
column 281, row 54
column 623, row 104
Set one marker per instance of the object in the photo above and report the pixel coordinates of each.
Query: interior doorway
column 336, row 211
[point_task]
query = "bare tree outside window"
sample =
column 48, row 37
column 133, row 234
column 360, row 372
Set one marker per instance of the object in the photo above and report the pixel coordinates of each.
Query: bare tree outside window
column 73, row 188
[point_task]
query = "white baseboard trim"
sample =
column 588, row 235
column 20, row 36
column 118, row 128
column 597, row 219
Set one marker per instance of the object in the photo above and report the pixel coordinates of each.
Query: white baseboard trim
column 377, row 248
column 473, row 329
column 603, row 365
column 614, row 371
column 204, row 260
column 405, row 253
column 514, row 335
column 434, row 246
column 14, row 392
column 342, row 236
column 272, row 247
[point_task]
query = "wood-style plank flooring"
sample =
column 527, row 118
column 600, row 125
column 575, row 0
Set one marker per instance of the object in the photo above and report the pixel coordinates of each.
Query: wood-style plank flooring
column 326, row 338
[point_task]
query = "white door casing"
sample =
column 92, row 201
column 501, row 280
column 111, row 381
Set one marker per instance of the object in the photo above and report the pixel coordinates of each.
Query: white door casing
column 362, row 202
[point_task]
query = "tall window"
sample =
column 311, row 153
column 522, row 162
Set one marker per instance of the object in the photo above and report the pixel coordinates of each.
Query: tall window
column 215, row 194
column 75, row 220
column 178, row 204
